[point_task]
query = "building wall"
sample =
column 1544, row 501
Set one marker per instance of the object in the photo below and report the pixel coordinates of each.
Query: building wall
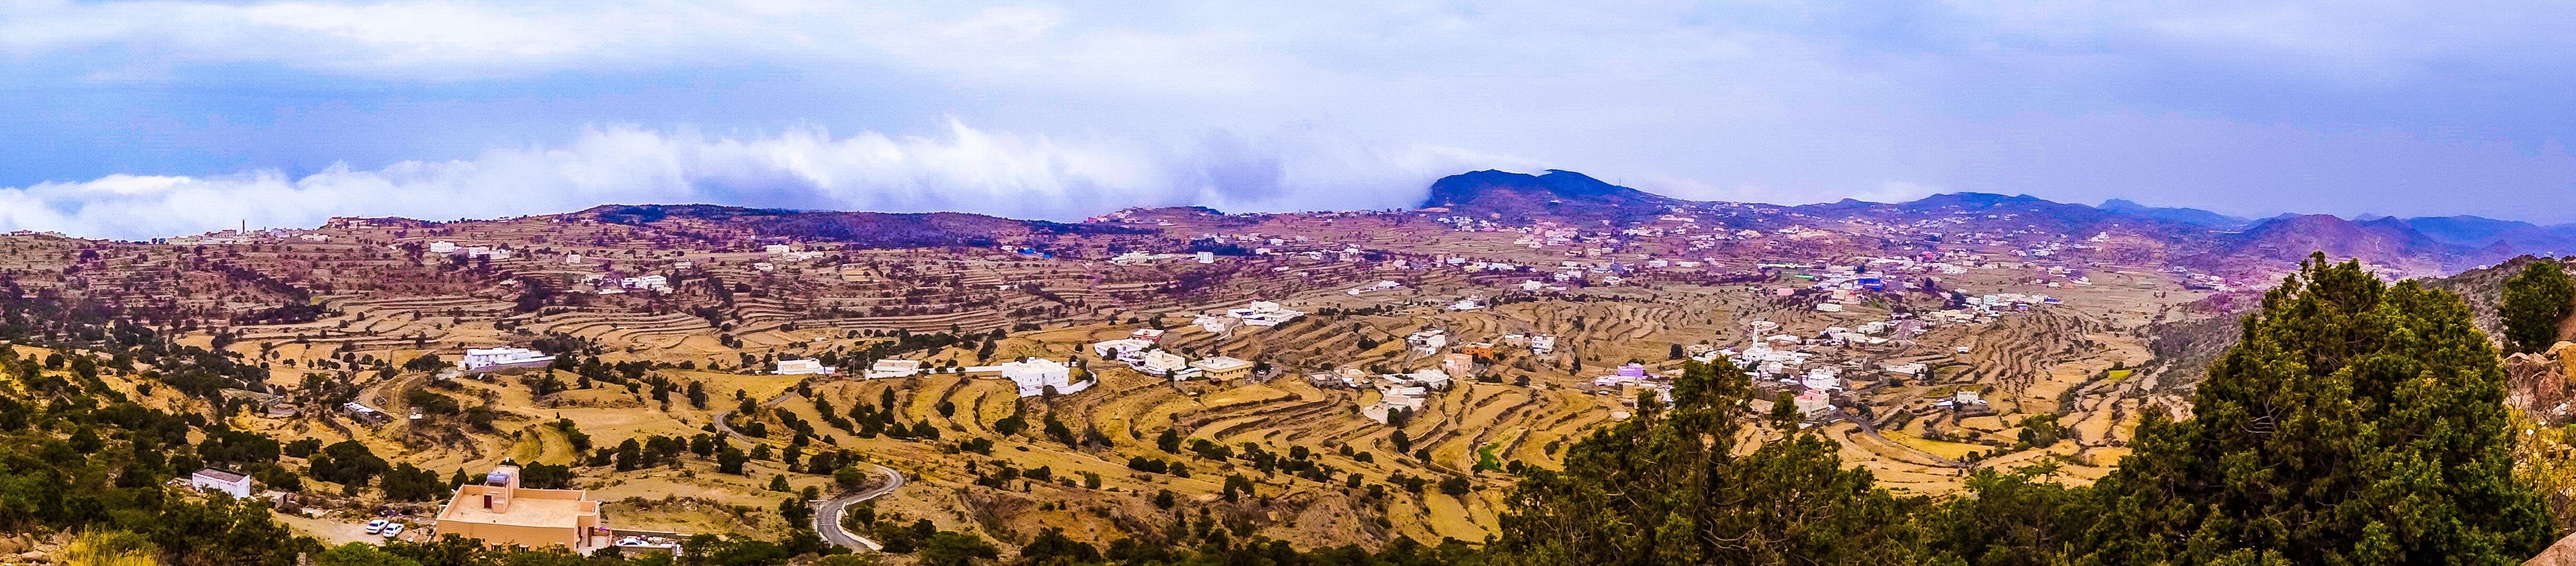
column 238, row 490
column 584, row 521
column 502, row 535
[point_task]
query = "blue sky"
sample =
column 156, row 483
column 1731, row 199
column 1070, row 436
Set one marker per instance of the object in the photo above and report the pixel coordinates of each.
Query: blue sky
column 163, row 118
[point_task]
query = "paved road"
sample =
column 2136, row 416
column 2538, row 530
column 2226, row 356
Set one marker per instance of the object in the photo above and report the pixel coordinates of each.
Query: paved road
column 727, row 428
column 827, row 514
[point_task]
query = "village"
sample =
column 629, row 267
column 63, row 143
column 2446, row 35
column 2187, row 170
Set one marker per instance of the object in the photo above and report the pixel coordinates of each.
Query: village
column 1396, row 348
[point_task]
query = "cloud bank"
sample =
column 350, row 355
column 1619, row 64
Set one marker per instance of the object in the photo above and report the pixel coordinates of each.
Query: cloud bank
column 2248, row 107
column 965, row 170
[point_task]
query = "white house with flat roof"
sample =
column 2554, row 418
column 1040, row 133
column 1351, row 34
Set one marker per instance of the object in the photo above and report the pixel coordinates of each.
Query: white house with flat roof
column 211, row 479
column 894, row 368
column 1223, row 368
column 1034, row 375
column 1159, row 362
column 803, row 367
column 489, row 359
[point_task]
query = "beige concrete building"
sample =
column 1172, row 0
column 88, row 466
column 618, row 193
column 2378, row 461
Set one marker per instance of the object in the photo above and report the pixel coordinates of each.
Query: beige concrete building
column 1223, row 369
column 499, row 512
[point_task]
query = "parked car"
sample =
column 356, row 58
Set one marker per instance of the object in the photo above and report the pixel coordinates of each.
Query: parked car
column 377, row 526
column 391, row 530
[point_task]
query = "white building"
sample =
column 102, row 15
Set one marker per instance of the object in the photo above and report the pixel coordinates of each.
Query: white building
column 653, row 282
column 365, row 413
column 211, row 479
column 803, row 367
column 1223, row 368
column 1132, row 258
column 1128, row 350
column 1814, row 403
column 1216, row 324
column 1430, row 378
column 1265, row 313
column 1034, row 375
column 1542, row 344
column 1159, row 362
column 1428, row 342
column 442, row 247
column 893, row 368
column 1823, row 379
column 490, row 359
column 1407, row 398
column 1966, row 397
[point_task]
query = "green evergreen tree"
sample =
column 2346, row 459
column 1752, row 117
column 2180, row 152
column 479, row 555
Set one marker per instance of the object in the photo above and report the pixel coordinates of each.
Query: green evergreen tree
column 1669, row 487
column 2533, row 303
column 1784, row 411
column 2354, row 422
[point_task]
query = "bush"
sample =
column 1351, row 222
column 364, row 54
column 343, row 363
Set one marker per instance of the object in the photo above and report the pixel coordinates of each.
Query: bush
column 1147, row 465
column 406, row 482
column 1454, row 486
column 303, row 447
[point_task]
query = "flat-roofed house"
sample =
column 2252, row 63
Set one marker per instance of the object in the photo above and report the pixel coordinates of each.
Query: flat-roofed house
column 1223, row 368
column 1159, row 362
column 1035, row 375
column 803, row 367
column 894, row 368
column 491, row 359
column 499, row 512
column 211, row 479
column 1458, row 366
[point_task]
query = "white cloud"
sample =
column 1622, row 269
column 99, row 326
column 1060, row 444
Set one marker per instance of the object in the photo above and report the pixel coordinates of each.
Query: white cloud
column 966, row 170
column 1898, row 191
column 1738, row 99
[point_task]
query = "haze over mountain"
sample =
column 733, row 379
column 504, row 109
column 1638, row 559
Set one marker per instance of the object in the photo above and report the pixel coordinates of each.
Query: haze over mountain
column 2189, row 215
column 2456, row 241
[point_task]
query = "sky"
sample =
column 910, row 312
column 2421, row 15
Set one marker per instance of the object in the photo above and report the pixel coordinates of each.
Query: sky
column 147, row 119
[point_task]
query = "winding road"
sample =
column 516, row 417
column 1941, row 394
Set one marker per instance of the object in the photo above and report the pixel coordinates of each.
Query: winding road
column 827, row 512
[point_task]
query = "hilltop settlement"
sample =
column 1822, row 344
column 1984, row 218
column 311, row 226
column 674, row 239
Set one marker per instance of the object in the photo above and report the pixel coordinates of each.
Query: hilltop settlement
column 654, row 378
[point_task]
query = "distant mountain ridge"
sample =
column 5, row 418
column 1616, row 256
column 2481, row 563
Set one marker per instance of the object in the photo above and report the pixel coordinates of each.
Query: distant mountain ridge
column 1557, row 193
column 2184, row 215
column 2450, row 241
column 2482, row 232
column 2294, row 237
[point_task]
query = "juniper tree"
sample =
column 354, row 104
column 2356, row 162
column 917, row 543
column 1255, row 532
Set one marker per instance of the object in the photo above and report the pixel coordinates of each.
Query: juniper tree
column 2533, row 303
column 2354, row 422
column 1669, row 486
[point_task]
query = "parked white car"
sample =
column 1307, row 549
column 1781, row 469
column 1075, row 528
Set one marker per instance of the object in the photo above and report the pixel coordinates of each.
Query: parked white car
column 377, row 526
column 391, row 530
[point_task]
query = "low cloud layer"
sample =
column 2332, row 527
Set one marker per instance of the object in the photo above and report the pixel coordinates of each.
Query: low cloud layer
column 964, row 169
column 2250, row 107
